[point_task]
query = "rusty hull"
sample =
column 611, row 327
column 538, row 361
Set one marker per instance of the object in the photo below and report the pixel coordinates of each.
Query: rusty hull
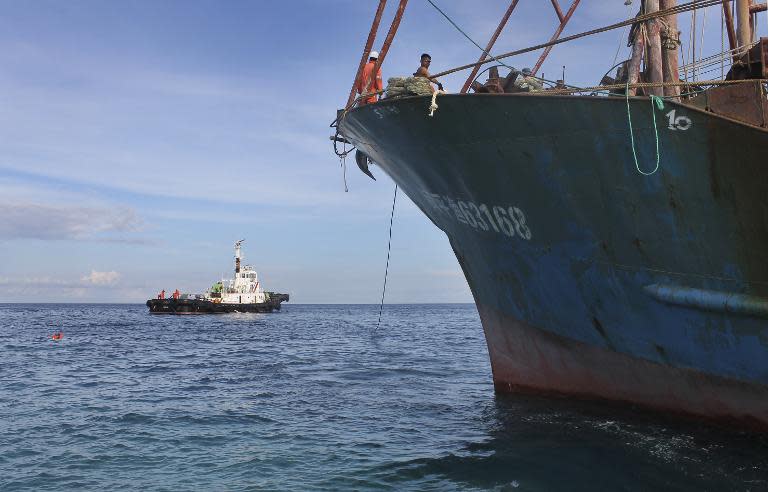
column 744, row 102
column 530, row 360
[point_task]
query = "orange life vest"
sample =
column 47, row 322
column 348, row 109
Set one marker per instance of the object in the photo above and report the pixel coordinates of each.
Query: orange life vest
column 365, row 80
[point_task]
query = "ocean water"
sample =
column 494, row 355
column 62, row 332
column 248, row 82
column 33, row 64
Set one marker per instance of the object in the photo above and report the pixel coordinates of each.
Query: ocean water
column 315, row 398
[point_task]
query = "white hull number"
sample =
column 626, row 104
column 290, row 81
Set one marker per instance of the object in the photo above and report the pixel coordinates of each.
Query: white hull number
column 509, row 221
column 678, row 122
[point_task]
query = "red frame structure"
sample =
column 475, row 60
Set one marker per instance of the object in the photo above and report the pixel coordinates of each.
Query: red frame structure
column 563, row 18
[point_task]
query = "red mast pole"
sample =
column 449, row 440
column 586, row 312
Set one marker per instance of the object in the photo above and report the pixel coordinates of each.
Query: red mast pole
column 558, row 11
column 387, row 42
column 489, row 46
column 367, row 50
column 729, row 24
column 555, row 36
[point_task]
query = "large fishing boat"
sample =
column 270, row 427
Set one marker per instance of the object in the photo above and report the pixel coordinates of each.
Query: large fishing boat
column 614, row 249
column 241, row 294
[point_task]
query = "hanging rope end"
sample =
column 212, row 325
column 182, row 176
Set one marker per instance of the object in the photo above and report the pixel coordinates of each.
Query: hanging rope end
column 433, row 105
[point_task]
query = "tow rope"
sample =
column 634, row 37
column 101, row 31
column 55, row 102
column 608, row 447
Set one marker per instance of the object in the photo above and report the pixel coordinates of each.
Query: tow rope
column 342, row 156
column 389, row 248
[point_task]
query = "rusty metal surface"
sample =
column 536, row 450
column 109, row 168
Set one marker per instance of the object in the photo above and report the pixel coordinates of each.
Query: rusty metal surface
column 495, row 83
column 759, row 56
column 526, row 359
column 558, row 10
column 671, row 51
column 728, row 20
column 752, row 64
column 742, row 102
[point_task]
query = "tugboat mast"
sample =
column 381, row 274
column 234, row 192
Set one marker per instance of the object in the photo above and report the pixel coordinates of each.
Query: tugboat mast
column 237, row 255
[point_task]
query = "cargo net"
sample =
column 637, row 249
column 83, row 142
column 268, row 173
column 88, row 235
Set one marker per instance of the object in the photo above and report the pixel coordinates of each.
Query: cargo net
column 408, row 86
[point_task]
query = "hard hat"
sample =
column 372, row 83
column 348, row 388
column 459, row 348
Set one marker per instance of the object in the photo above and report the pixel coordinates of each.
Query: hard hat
column 374, row 54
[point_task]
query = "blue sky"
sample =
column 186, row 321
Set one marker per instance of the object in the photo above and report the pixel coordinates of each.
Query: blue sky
column 140, row 139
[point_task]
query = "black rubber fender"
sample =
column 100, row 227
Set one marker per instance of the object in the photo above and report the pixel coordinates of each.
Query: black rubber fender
column 362, row 163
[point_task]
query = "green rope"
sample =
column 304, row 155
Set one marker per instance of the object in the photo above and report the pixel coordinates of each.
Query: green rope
column 658, row 103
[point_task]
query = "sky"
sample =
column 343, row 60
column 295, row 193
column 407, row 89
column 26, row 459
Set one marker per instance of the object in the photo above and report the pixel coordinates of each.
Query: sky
column 140, row 139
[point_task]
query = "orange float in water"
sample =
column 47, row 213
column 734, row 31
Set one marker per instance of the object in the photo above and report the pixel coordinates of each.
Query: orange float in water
column 58, row 335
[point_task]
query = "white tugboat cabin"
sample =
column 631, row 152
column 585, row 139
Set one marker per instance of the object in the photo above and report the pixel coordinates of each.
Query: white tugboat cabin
column 245, row 287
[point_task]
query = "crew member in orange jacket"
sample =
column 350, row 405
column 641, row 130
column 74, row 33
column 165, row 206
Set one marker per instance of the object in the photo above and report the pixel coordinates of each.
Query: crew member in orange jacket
column 365, row 80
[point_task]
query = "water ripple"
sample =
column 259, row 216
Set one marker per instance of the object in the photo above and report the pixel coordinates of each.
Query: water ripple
column 313, row 398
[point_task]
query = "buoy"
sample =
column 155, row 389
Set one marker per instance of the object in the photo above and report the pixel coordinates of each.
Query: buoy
column 57, row 335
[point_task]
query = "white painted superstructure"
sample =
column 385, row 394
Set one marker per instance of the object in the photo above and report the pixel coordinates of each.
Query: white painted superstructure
column 244, row 288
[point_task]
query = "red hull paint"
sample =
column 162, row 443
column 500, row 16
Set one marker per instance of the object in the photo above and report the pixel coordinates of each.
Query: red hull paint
column 527, row 359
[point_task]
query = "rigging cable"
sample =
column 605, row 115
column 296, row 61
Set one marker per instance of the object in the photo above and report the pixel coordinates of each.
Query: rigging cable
column 343, row 159
column 389, row 249
column 467, row 36
column 342, row 155
column 623, row 34
column 344, row 172
column 722, row 44
column 636, row 20
column 692, row 43
column 703, row 30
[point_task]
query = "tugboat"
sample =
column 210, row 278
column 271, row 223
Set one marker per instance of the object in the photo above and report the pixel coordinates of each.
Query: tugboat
column 242, row 294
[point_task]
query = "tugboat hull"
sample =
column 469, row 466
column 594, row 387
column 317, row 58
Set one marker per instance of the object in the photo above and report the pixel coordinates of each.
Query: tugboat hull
column 202, row 306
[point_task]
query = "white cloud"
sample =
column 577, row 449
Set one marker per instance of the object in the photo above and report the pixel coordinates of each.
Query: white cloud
column 101, row 278
column 27, row 220
column 37, row 282
column 94, row 278
column 94, row 287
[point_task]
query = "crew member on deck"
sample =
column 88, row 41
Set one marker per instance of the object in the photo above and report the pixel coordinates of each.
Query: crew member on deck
column 365, row 80
column 423, row 71
column 527, row 82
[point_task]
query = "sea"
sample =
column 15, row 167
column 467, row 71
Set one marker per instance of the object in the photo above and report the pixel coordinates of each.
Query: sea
column 318, row 397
